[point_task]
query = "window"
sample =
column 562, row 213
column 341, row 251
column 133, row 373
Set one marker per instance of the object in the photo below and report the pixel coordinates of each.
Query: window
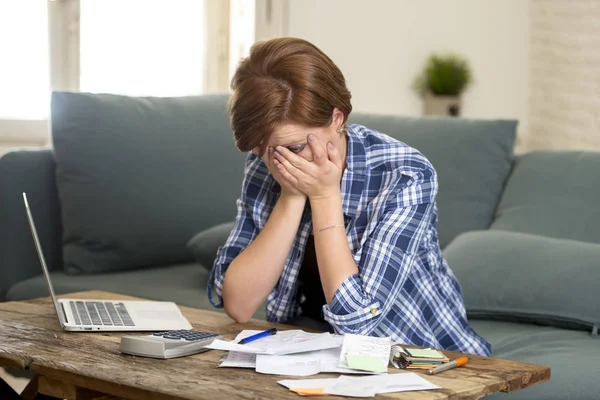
column 24, row 70
column 142, row 47
column 242, row 22
column 130, row 47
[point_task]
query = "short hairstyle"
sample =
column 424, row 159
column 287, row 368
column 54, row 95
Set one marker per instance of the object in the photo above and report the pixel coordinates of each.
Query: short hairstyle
column 284, row 80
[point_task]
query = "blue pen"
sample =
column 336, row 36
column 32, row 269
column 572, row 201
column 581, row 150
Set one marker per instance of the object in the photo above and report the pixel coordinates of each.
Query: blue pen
column 258, row 336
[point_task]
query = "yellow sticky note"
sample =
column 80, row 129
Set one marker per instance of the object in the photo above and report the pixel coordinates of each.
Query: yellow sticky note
column 425, row 353
column 366, row 363
column 308, row 391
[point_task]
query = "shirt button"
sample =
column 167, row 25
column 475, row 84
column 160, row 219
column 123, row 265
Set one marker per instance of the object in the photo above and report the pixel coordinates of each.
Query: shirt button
column 373, row 310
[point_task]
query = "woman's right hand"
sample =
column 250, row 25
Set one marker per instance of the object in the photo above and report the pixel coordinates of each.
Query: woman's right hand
column 286, row 189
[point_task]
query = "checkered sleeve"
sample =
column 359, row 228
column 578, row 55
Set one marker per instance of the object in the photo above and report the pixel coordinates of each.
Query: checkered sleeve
column 243, row 233
column 388, row 255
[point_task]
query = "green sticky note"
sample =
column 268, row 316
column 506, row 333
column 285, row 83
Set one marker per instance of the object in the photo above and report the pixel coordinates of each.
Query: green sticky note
column 366, row 363
column 425, row 353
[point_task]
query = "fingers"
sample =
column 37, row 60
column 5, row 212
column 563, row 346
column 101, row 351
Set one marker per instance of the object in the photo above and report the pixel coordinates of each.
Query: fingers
column 283, row 172
column 289, row 160
column 334, row 155
column 278, row 168
column 319, row 153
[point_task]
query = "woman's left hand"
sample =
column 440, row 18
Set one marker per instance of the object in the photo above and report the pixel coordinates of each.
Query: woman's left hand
column 318, row 179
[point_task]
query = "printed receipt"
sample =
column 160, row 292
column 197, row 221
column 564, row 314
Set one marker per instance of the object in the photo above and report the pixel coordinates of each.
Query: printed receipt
column 365, row 353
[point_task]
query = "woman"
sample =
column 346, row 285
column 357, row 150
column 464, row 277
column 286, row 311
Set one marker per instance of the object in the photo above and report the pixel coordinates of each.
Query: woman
column 336, row 224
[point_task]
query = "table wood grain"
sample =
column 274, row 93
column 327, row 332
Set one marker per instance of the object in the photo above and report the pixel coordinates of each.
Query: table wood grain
column 31, row 338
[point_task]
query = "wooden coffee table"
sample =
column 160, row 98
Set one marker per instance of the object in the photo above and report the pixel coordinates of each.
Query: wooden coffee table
column 87, row 365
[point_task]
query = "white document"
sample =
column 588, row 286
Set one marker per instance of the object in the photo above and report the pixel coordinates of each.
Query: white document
column 357, row 386
column 283, row 342
column 365, row 346
column 231, row 346
column 306, row 383
column 291, row 364
column 239, row 360
column 363, row 386
column 304, row 364
column 407, row 382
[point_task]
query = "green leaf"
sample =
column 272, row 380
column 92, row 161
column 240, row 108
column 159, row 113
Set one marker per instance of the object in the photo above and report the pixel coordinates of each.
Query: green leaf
column 443, row 75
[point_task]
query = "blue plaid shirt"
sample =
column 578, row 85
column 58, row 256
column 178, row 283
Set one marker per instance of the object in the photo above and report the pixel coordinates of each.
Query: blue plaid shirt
column 404, row 288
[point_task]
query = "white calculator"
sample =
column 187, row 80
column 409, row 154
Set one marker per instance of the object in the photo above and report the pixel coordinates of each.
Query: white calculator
column 168, row 344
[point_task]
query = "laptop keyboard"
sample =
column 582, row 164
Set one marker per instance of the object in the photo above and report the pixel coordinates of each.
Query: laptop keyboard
column 100, row 313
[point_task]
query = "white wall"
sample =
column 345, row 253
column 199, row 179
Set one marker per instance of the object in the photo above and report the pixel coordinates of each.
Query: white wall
column 380, row 45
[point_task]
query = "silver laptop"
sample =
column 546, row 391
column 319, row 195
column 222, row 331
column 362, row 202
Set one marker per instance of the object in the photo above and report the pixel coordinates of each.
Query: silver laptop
column 109, row 315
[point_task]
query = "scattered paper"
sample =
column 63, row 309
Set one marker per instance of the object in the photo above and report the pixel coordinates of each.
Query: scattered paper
column 360, row 386
column 306, row 383
column 373, row 352
column 239, row 360
column 330, row 360
column 218, row 344
column 407, row 382
column 283, row 342
column 293, row 365
column 304, row 364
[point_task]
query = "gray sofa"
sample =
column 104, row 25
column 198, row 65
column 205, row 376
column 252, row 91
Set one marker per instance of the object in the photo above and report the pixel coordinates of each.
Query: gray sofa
column 136, row 195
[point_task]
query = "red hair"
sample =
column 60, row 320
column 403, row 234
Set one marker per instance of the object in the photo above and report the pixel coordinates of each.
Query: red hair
column 284, row 80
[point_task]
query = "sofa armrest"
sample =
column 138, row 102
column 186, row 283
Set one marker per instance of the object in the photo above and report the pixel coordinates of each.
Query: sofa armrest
column 33, row 172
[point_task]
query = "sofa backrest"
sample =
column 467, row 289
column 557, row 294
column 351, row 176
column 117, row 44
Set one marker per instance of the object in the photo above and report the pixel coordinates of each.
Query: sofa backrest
column 32, row 172
column 473, row 159
column 554, row 194
column 137, row 177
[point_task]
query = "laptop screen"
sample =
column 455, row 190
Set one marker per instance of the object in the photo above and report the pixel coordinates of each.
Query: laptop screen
column 59, row 311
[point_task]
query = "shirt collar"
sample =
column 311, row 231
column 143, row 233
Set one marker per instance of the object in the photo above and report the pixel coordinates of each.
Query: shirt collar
column 353, row 178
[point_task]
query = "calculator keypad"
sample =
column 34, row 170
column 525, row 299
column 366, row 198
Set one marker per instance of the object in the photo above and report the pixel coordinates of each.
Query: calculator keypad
column 189, row 335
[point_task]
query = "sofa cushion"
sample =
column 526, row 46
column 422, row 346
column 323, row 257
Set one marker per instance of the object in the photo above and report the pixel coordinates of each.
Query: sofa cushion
column 571, row 355
column 553, row 193
column 184, row 284
column 528, row 278
column 472, row 158
column 205, row 244
column 137, row 177
column 180, row 283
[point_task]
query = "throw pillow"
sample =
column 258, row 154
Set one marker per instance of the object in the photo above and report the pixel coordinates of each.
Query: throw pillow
column 472, row 158
column 205, row 244
column 527, row 278
column 138, row 176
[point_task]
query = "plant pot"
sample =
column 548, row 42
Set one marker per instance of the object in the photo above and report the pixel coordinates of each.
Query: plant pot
column 448, row 106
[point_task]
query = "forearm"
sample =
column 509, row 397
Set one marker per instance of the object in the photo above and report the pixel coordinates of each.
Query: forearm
column 254, row 272
column 334, row 258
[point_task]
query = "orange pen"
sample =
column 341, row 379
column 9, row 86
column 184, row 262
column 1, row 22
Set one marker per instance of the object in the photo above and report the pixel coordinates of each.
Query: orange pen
column 459, row 362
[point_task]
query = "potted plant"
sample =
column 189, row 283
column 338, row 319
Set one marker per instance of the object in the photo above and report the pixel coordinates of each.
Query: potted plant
column 441, row 83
